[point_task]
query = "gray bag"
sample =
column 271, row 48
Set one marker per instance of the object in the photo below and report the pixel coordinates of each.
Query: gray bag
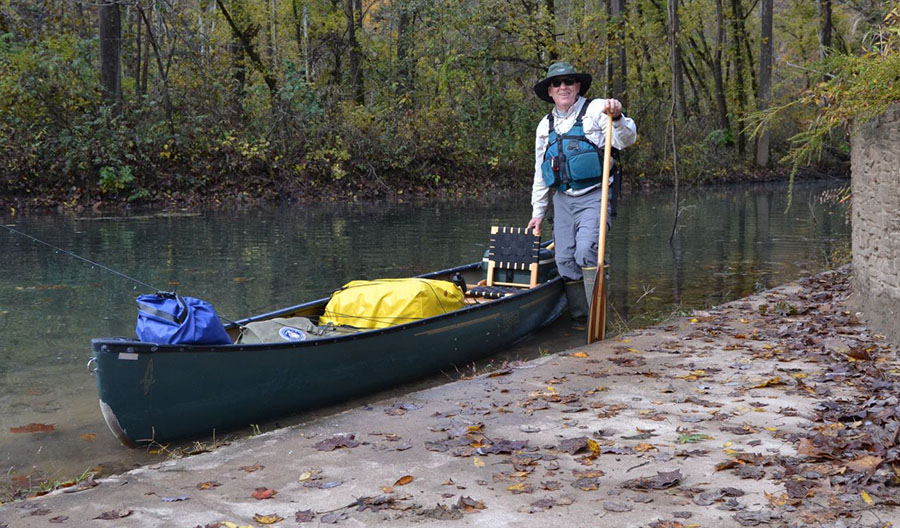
column 283, row 330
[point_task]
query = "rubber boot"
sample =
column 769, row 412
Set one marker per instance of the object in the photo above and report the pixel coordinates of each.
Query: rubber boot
column 578, row 307
column 590, row 276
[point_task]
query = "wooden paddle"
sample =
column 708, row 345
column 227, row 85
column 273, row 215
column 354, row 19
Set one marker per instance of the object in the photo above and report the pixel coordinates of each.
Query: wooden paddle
column 596, row 329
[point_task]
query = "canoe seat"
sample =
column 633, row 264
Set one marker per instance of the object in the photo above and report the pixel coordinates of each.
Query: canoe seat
column 491, row 292
column 512, row 262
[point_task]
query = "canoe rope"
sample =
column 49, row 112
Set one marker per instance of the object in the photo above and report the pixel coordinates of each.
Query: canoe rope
column 91, row 262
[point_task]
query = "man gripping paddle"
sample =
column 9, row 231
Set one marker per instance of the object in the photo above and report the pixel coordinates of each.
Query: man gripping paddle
column 569, row 145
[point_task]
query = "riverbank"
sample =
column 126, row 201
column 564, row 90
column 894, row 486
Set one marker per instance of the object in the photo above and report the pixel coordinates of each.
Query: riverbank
column 777, row 409
column 258, row 191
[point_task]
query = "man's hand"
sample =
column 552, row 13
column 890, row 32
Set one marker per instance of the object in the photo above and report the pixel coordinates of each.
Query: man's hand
column 535, row 223
column 613, row 107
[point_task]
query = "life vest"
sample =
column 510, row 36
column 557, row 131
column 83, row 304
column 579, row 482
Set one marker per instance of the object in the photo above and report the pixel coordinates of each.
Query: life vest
column 571, row 160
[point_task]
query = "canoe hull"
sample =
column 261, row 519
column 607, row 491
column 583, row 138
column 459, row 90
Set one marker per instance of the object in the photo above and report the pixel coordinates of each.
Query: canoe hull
column 160, row 393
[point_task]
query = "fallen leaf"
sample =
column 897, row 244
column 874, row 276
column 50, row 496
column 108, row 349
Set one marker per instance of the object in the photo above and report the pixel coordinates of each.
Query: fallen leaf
column 304, row 516
column 470, row 505
column 175, row 499
column 251, row 469
column 267, row 519
column 693, row 438
column 337, row 441
column 263, row 493
column 59, row 519
column 333, row 518
column 210, row 484
column 113, row 514
column 522, row 487
column 85, row 484
column 33, row 428
column 662, row 480
column 579, row 355
column 321, row 484
column 88, row 437
column 771, row 382
column 478, row 462
column 866, row 498
column 864, row 463
column 587, row 484
column 404, row 480
column 618, row 507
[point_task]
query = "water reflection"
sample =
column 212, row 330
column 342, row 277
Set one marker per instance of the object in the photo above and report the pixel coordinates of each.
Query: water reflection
column 731, row 241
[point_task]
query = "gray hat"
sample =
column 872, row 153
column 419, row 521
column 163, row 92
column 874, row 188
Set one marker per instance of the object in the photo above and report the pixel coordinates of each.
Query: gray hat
column 561, row 69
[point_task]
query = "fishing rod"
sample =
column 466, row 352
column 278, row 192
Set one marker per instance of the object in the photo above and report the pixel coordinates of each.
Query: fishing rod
column 92, row 263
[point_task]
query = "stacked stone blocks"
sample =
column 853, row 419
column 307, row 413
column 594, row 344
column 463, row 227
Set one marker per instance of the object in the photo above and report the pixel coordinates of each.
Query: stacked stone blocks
column 875, row 185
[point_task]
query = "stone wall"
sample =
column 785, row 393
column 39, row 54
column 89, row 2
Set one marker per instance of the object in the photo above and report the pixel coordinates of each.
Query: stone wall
column 875, row 184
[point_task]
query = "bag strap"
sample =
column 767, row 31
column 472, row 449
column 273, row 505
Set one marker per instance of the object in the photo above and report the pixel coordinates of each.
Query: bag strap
column 165, row 315
column 583, row 111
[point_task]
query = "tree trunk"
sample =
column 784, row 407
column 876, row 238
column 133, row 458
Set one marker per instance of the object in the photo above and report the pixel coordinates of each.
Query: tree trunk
column 163, row 72
column 676, row 60
column 110, row 55
column 721, row 104
column 553, row 55
column 824, row 10
column 245, row 37
column 138, row 26
column 274, row 33
column 619, row 62
column 405, row 45
column 353, row 12
column 765, row 77
column 301, row 28
column 737, row 24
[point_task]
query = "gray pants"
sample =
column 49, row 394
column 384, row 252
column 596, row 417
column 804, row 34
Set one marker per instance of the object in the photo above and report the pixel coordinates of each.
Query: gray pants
column 576, row 231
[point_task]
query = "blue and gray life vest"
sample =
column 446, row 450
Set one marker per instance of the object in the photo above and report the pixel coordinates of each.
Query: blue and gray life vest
column 571, row 160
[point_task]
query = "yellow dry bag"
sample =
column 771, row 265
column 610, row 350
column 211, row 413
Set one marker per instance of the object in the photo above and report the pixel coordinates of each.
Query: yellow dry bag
column 387, row 302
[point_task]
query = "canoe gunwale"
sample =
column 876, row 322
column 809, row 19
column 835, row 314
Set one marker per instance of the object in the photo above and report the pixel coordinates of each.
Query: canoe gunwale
column 117, row 344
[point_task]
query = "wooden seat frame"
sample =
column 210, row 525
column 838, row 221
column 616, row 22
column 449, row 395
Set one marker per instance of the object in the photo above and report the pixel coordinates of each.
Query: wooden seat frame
column 513, row 248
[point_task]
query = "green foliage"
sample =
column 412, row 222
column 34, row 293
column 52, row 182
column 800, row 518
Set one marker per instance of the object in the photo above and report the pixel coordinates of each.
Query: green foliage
column 454, row 112
column 114, row 180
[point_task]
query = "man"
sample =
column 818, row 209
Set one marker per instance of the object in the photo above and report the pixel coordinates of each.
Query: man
column 569, row 159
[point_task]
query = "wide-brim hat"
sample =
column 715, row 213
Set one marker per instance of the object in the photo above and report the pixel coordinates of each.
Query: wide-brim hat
column 561, row 69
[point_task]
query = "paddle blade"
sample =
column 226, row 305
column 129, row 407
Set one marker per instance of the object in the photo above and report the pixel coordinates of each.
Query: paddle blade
column 596, row 330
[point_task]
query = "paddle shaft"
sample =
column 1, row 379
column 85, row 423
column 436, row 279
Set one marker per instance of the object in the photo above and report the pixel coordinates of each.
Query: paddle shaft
column 596, row 329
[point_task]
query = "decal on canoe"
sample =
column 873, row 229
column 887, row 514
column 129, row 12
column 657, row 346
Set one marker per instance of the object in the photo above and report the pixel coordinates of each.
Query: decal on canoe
column 128, row 355
column 147, row 381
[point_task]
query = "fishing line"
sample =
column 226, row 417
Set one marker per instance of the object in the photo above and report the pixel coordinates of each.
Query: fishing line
column 92, row 263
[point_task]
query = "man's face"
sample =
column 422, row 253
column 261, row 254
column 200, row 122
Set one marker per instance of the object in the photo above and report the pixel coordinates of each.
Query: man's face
column 564, row 91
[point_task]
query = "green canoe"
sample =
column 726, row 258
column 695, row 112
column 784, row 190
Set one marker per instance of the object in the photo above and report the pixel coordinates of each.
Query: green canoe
column 151, row 392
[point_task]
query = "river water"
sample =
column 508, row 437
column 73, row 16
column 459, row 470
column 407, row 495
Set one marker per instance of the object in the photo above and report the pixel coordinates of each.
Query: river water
column 731, row 241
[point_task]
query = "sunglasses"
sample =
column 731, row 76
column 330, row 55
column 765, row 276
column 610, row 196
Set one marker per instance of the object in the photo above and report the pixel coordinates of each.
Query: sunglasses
column 568, row 82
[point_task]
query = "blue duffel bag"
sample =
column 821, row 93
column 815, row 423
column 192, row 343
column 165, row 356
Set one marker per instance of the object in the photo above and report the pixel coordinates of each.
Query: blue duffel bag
column 170, row 319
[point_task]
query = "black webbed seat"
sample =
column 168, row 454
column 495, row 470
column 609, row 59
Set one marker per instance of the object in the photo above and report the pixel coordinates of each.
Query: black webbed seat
column 512, row 250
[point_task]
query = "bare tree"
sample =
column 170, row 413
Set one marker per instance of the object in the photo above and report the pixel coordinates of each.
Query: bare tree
column 677, row 62
column 619, row 67
column 737, row 39
column 823, row 7
column 111, row 54
column 405, row 46
column 353, row 11
column 765, row 77
column 718, row 78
